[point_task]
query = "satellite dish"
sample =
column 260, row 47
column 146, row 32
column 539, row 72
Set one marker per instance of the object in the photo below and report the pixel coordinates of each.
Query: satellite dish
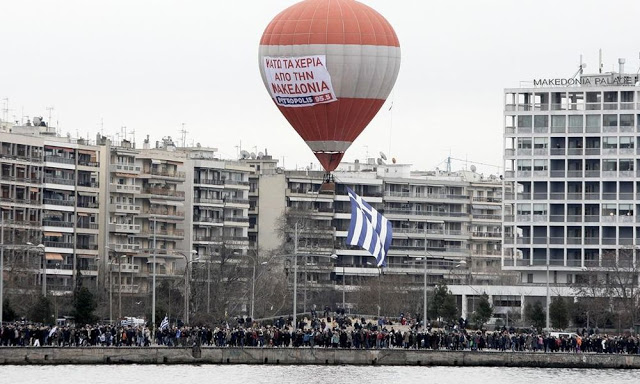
column 380, row 161
column 383, row 156
column 260, row 155
column 253, row 155
column 244, row 154
column 473, row 168
column 393, row 160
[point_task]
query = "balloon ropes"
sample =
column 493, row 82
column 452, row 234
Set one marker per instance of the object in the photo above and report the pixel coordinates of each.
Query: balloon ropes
column 329, row 66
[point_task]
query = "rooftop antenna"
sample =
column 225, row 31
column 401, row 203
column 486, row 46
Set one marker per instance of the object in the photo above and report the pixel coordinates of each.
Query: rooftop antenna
column 101, row 126
column 183, row 133
column 133, row 136
column 581, row 68
column 600, row 60
column 51, row 108
column 124, row 132
column 5, row 109
column 238, row 149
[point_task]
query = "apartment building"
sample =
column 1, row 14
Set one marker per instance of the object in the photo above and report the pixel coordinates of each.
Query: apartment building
column 49, row 188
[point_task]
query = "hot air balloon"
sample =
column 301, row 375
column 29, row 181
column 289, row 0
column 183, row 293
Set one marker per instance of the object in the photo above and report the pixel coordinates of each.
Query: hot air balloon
column 329, row 66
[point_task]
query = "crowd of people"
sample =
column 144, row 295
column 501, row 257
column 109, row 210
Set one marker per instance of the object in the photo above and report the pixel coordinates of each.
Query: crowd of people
column 326, row 332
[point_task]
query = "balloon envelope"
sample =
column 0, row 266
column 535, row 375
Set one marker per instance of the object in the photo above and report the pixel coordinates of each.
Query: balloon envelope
column 329, row 66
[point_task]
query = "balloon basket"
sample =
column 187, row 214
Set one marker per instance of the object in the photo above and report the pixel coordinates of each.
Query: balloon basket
column 328, row 188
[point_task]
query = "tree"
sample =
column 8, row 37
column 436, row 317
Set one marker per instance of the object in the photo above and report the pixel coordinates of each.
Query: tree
column 443, row 304
column 559, row 313
column 40, row 311
column 484, row 311
column 8, row 313
column 83, row 306
column 535, row 314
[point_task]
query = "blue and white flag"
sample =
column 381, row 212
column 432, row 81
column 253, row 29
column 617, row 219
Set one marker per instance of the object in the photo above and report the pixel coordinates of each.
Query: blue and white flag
column 369, row 229
column 165, row 323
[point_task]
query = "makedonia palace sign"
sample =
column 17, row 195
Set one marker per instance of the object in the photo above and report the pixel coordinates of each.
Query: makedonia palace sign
column 597, row 81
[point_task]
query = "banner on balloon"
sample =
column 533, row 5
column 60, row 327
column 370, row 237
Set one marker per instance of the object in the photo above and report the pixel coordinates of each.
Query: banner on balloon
column 299, row 81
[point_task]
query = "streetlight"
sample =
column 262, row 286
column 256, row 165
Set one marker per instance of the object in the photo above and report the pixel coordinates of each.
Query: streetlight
column 335, row 257
column 253, row 286
column 40, row 248
column 186, row 281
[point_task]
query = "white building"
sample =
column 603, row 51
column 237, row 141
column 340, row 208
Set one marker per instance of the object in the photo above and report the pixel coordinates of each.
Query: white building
column 571, row 161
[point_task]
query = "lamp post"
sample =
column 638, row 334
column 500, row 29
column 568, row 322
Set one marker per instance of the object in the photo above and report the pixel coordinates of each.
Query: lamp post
column 1, row 264
column 295, row 277
column 186, row 282
column 153, row 282
column 548, row 297
column 253, row 287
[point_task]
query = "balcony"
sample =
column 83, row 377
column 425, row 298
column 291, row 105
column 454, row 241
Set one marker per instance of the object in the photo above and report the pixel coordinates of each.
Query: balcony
column 202, row 219
column 202, row 200
column 57, row 223
column 88, row 163
column 88, row 204
column 64, row 203
column 57, row 180
column 59, row 159
column 90, row 247
column 483, row 217
column 88, row 184
column 87, row 225
column 125, row 247
column 125, row 168
column 165, row 174
column 124, row 228
column 209, row 181
column 236, row 201
column 124, row 188
column 163, row 212
column 57, row 244
column 163, row 233
column 164, row 192
column 124, row 268
column 125, row 208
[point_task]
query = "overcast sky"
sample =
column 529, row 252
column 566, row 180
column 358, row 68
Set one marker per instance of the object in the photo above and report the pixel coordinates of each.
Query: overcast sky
column 153, row 65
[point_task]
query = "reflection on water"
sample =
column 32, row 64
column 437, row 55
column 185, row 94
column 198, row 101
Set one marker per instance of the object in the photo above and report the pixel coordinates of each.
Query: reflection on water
column 155, row 374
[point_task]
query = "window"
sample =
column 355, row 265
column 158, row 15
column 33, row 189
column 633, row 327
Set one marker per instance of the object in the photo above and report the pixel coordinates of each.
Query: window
column 524, row 165
column 609, row 142
column 529, row 278
column 524, row 143
column 540, row 165
column 541, row 121
column 610, row 120
column 626, row 142
column 593, row 121
column 540, row 209
column 569, row 278
column 626, row 209
column 524, row 121
column 575, row 121
column 558, row 121
column 626, row 165
column 524, row 209
column 609, row 165
column 540, row 142
column 609, row 210
column 626, row 120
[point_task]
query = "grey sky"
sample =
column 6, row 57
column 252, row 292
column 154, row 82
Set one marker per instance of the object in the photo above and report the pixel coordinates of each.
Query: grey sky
column 153, row 65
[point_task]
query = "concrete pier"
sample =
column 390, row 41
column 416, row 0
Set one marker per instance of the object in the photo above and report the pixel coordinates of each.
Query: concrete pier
column 301, row 356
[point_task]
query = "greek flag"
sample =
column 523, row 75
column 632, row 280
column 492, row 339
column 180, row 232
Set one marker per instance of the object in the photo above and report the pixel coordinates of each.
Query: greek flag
column 369, row 229
column 165, row 323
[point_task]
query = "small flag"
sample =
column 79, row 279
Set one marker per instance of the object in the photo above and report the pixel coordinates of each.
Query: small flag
column 369, row 229
column 165, row 323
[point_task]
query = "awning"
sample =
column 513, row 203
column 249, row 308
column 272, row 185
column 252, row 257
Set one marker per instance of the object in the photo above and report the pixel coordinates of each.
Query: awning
column 125, row 175
column 82, row 214
column 87, row 152
column 156, row 161
column 34, row 189
column 485, row 206
column 174, row 203
column 53, row 256
column 159, row 260
column 174, row 162
column 94, row 194
column 53, row 234
column 158, row 202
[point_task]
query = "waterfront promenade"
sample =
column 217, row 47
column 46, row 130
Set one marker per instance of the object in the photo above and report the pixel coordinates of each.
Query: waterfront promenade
column 306, row 356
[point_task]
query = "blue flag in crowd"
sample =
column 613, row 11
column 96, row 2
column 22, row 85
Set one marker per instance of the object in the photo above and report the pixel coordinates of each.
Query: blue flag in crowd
column 369, row 229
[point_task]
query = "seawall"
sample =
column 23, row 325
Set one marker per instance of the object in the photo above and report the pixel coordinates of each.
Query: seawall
column 318, row 356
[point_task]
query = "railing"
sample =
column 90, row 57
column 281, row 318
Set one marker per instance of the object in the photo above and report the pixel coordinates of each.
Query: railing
column 121, row 167
column 592, row 173
column 236, row 182
column 164, row 192
column 156, row 172
column 424, row 213
column 87, row 225
column 92, row 247
column 58, row 244
column 59, row 159
column 88, row 204
column 123, row 188
column 57, row 180
column 88, row 163
column 236, row 201
column 591, row 151
column 66, row 203
column 486, row 217
column 163, row 232
column 56, row 223
column 89, row 184
column 125, row 247
column 127, row 208
column 487, row 234
column 209, row 181
column 207, row 219
column 488, row 199
column 202, row 200
column 162, row 212
column 120, row 227
column 237, row 219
